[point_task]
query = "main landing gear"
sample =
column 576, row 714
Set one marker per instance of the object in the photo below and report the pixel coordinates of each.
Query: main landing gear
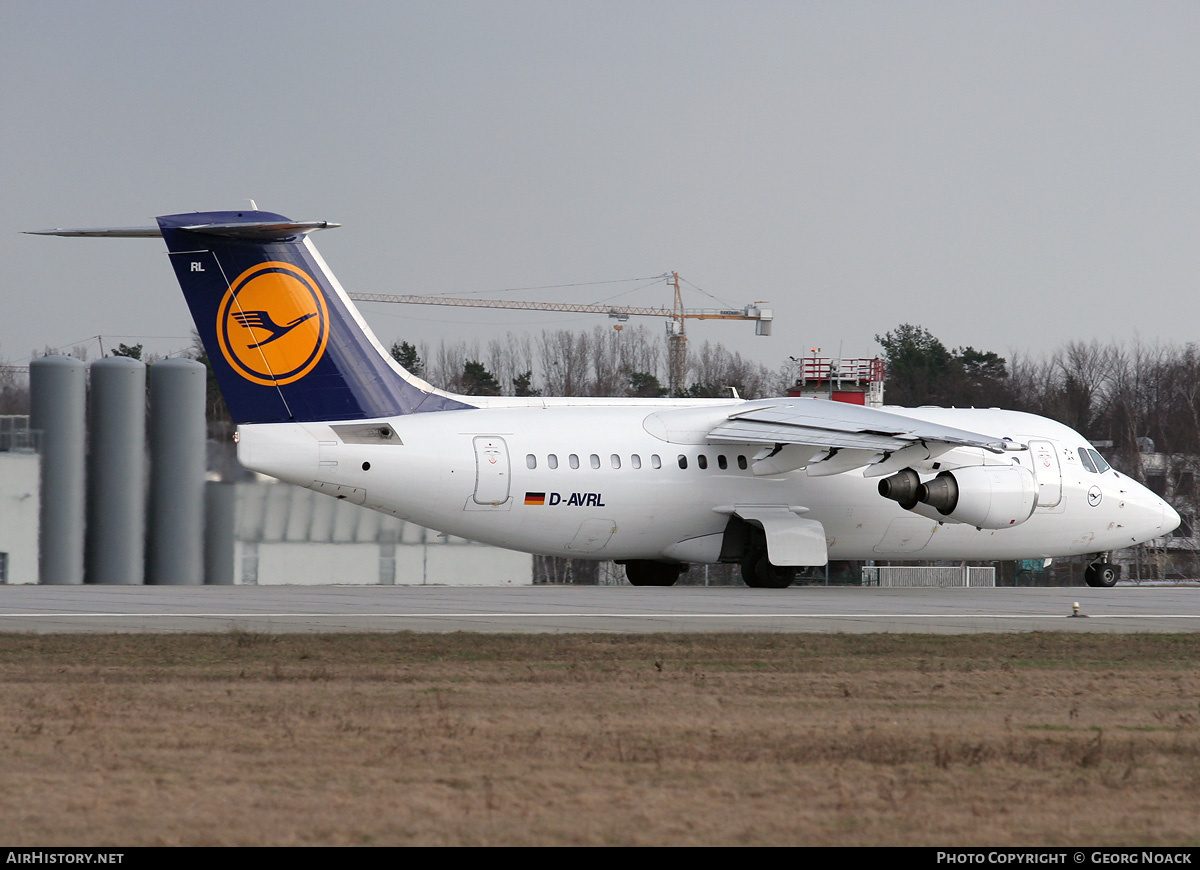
column 643, row 572
column 1102, row 573
column 759, row 573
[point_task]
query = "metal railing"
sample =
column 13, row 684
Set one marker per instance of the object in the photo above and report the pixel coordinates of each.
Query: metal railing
column 928, row 575
column 816, row 368
column 16, row 436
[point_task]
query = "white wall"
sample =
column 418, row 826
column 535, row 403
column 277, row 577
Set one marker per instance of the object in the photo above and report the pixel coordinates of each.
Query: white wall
column 476, row 565
column 318, row 564
column 458, row 564
column 19, row 504
column 289, row 535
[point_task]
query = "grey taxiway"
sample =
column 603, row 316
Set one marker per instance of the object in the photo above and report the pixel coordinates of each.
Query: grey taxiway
column 100, row 609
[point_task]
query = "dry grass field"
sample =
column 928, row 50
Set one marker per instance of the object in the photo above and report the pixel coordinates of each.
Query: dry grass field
column 462, row 739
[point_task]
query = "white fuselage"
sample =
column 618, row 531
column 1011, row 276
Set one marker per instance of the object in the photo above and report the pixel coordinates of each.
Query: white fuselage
column 596, row 480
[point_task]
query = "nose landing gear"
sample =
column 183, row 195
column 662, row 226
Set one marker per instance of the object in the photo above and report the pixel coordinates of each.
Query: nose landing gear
column 1102, row 573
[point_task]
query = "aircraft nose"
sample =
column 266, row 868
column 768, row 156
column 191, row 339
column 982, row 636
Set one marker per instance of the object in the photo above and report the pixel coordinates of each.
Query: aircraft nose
column 1149, row 514
column 1171, row 519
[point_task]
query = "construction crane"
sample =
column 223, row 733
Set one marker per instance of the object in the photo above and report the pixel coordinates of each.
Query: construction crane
column 676, row 325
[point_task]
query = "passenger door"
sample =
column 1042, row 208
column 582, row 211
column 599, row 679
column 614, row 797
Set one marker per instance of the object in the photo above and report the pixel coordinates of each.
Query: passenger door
column 491, row 471
column 1048, row 472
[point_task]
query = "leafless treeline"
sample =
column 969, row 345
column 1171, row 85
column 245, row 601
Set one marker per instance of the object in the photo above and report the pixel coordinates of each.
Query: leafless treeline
column 603, row 362
column 1122, row 394
column 14, row 390
column 1108, row 392
column 1144, row 399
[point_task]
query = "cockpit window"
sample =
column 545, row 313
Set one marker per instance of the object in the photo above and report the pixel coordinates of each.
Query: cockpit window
column 1101, row 465
column 1086, row 460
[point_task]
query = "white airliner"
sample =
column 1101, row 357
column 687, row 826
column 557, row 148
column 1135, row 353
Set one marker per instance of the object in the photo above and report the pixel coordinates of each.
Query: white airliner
column 653, row 484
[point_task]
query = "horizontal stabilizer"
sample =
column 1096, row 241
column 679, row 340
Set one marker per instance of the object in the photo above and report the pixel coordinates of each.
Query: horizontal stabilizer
column 262, row 231
column 102, row 232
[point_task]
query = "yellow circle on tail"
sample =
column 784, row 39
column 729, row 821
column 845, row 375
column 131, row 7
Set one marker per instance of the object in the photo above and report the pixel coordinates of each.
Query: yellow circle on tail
column 273, row 325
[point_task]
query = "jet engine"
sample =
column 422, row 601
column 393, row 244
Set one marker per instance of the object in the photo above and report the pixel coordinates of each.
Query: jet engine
column 985, row 496
column 903, row 487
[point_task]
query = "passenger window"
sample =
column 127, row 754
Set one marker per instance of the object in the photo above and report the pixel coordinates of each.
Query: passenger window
column 1086, row 460
column 722, row 463
column 594, row 461
column 741, row 462
column 552, row 460
column 573, row 460
column 531, row 461
column 1101, row 465
column 635, row 461
column 615, row 460
column 702, row 461
column 655, row 460
column 682, row 461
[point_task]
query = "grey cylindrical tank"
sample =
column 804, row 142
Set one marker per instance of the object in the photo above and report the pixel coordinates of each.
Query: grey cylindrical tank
column 219, row 526
column 116, row 472
column 57, row 389
column 175, row 551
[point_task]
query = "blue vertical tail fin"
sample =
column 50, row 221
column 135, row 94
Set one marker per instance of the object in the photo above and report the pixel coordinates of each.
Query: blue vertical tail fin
column 284, row 340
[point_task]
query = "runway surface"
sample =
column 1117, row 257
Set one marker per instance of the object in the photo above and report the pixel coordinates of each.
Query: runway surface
column 100, row 609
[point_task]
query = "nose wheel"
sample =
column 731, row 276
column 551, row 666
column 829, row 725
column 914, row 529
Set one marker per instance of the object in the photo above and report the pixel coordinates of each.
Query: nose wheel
column 1101, row 574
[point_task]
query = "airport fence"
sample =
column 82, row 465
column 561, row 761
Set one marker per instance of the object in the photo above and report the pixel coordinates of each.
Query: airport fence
column 928, row 575
column 16, row 436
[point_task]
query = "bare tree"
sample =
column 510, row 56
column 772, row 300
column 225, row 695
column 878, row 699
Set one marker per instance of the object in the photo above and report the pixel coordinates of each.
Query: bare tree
column 1086, row 371
column 449, row 364
column 715, row 372
column 509, row 358
column 564, row 357
column 14, row 389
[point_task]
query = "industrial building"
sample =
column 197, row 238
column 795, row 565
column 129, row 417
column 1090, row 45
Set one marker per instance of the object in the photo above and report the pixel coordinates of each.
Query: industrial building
column 277, row 533
column 118, row 510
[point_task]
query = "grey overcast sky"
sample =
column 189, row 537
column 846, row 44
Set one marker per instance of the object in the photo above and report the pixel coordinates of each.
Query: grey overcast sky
column 1011, row 175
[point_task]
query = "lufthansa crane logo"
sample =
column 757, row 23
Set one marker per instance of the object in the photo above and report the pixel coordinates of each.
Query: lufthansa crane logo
column 273, row 325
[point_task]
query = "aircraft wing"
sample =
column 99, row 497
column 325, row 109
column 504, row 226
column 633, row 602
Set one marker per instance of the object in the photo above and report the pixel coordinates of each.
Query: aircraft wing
column 831, row 437
column 839, row 424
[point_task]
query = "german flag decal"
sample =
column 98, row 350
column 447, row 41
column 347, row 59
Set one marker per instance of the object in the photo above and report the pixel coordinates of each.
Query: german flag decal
column 537, row 498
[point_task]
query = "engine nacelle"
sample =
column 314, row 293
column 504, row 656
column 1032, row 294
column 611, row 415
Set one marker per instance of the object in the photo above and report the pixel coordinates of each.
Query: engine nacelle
column 985, row 496
column 903, row 487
